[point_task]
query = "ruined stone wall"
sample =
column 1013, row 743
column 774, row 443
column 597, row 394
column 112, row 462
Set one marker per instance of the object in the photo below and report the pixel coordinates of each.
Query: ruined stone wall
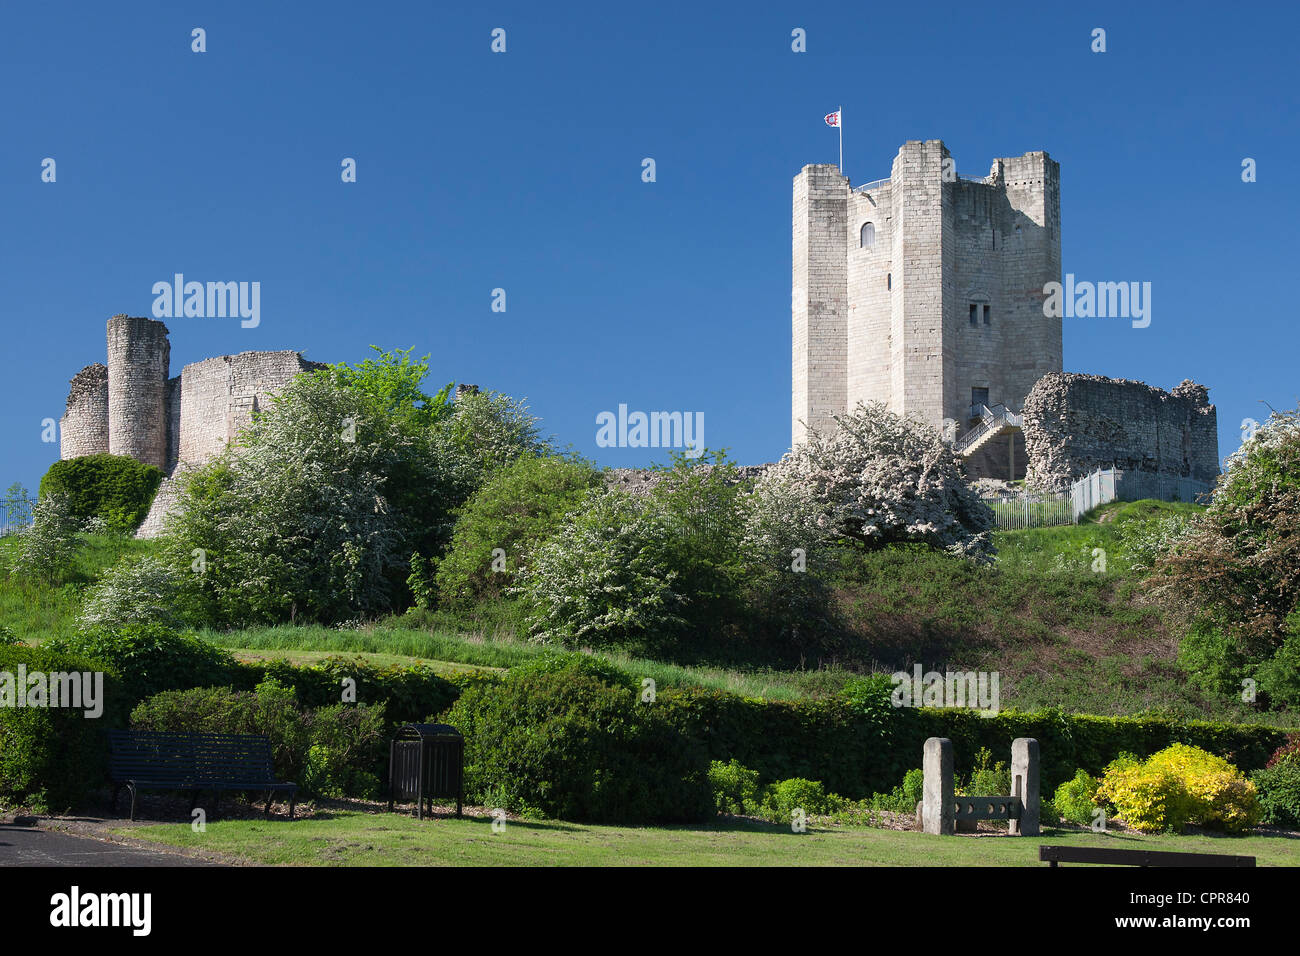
column 640, row 481
column 83, row 429
column 138, row 358
column 219, row 396
column 173, row 422
column 1075, row 424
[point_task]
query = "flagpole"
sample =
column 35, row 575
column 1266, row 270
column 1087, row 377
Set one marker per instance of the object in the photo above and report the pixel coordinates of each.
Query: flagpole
column 841, row 126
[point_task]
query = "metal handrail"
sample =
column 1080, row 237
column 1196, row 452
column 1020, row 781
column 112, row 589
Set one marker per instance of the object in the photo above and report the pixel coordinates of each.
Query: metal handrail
column 991, row 421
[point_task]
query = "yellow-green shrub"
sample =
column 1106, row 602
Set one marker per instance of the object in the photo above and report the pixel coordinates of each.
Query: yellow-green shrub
column 1177, row 786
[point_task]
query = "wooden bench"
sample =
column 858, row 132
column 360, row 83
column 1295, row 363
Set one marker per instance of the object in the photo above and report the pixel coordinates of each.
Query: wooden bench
column 1053, row 855
column 146, row 760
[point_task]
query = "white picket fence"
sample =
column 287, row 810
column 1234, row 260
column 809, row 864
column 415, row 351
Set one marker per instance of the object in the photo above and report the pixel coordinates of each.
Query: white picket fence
column 1101, row 487
column 1014, row 514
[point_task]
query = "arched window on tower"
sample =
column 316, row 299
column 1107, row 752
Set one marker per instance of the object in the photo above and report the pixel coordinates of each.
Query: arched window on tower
column 867, row 237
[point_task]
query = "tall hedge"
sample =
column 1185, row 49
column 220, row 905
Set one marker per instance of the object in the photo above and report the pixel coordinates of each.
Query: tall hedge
column 858, row 751
column 117, row 488
column 52, row 757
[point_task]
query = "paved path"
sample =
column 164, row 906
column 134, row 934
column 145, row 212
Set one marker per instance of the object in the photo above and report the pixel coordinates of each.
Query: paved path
column 28, row 846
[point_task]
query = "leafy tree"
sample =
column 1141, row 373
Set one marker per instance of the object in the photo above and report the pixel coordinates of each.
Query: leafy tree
column 317, row 511
column 487, row 431
column 516, row 509
column 700, row 502
column 392, row 380
column 1233, row 576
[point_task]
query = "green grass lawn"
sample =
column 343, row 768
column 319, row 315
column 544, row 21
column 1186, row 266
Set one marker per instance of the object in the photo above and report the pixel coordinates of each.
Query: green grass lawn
column 350, row 838
column 504, row 651
column 305, row 658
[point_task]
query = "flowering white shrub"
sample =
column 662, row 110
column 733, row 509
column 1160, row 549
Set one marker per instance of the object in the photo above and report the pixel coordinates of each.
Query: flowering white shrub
column 136, row 592
column 605, row 577
column 48, row 548
column 879, row 478
column 1146, row 541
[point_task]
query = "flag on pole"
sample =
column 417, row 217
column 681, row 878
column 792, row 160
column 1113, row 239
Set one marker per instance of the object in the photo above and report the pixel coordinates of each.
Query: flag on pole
column 836, row 120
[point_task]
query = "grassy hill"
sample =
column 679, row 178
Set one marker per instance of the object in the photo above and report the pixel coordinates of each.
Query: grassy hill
column 1058, row 632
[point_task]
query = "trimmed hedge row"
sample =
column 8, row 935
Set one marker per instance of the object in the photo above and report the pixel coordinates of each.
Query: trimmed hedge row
column 857, row 753
column 155, row 658
column 411, row 694
column 51, row 757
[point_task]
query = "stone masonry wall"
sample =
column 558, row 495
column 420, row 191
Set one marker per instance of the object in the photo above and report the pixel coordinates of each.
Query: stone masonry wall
column 1075, row 424
column 220, row 395
column 83, row 429
column 886, row 318
column 819, row 299
column 130, row 407
column 640, row 481
column 138, row 357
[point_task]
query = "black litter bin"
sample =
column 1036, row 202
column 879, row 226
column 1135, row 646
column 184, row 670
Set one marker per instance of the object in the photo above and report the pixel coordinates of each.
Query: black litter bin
column 426, row 761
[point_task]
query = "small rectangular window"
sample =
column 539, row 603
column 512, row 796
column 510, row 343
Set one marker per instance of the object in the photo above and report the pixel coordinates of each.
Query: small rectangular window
column 974, row 314
column 986, row 314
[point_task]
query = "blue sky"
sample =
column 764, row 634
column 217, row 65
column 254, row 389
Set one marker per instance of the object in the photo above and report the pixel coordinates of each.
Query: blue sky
column 522, row 171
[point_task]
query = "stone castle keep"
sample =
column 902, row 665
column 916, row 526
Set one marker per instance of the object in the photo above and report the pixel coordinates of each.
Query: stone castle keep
column 131, row 406
column 925, row 291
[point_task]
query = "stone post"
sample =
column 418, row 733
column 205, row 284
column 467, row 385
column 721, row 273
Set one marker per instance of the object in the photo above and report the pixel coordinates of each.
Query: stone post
column 937, row 814
column 1024, row 784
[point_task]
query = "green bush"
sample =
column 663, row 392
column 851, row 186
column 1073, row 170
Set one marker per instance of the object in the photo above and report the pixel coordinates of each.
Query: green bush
column 1073, row 800
column 987, row 778
column 566, row 744
column 348, row 752
column 1279, row 793
column 116, row 488
column 605, row 577
column 904, row 798
column 152, row 658
column 735, row 787
column 52, row 757
column 1278, row 785
column 783, row 798
column 515, row 510
column 409, row 693
column 914, row 787
column 592, row 665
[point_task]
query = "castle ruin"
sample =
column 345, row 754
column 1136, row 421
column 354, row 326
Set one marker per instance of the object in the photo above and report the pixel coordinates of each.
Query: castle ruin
column 925, row 292
column 131, row 406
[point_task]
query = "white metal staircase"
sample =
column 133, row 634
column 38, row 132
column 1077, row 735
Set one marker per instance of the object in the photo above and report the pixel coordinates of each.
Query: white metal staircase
column 994, row 423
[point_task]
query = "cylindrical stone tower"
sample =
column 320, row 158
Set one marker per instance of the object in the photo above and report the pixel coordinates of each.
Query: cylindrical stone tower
column 83, row 430
column 138, row 359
